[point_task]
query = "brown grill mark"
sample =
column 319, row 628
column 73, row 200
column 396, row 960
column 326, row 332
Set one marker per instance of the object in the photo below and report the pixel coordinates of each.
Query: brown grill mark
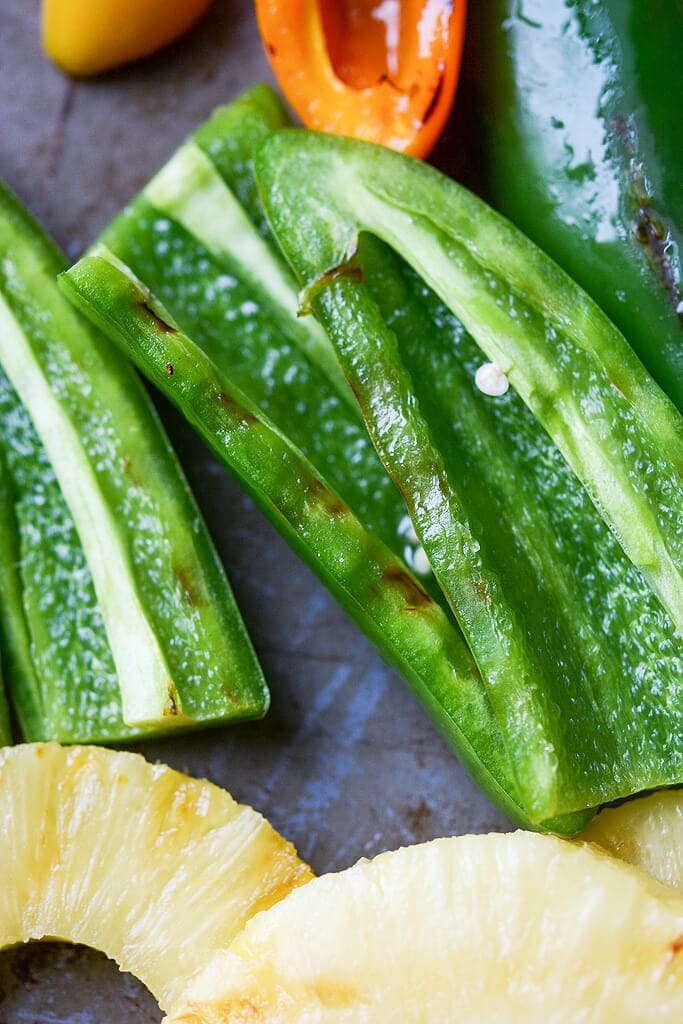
column 481, row 589
column 171, row 706
column 415, row 596
column 130, row 472
column 158, row 321
column 354, row 389
column 349, row 269
column 191, row 594
column 615, row 383
column 648, row 230
column 321, row 494
column 235, row 409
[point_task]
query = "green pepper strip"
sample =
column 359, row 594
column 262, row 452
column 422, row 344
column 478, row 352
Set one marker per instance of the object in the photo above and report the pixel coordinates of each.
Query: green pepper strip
column 369, row 581
column 597, row 672
column 245, row 330
column 179, row 645
column 200, row 274
column 190, row 190
column 15, row 638
column 9, row 556
column 58, row 664
column 620, row 434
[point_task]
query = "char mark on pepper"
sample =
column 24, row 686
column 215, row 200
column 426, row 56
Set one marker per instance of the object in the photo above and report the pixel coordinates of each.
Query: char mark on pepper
column 171, row 706
column 158, row 321
column 323, row 496
column 350, row 269
column 189, row 591
column 416, row 597
column 235, row 409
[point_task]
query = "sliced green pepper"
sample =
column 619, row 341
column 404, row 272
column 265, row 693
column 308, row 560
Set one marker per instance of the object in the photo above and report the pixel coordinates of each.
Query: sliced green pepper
column 15, row 640
column 259, row 349
column 249, row 330
column 8, row 559
column 58, row 662
column 604, row 649
column 554, row 651
column 179, row 646
column 578, row 139
column 622, row 437
column 375, row 587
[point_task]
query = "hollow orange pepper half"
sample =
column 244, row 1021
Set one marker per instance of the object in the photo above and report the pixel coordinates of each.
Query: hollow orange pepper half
column 382, row 70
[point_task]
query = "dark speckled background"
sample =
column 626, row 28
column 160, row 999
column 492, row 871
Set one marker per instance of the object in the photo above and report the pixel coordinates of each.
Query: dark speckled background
column 346, row 764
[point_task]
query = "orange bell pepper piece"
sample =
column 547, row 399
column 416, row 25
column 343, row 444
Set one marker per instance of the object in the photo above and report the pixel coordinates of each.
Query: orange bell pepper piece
column 382, row 70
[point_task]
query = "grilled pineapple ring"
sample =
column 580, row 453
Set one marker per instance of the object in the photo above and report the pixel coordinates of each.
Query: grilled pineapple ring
column 165, row 873
column 496, row 929
column 155, row 869
column 647, row 832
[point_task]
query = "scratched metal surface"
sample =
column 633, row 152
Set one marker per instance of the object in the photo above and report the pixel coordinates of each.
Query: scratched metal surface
column 346, row 764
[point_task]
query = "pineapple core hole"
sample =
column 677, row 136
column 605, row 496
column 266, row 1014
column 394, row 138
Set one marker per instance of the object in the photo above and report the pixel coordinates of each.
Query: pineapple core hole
column 70, row 985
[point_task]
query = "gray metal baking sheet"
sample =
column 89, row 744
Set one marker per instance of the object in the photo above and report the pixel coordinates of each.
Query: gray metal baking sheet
column 346, row 764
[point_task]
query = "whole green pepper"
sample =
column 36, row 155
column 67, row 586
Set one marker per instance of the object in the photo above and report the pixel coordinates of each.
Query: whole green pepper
column 578, row 110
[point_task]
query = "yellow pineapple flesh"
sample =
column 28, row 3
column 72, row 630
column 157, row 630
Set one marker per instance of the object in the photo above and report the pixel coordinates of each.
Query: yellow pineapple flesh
column 646, row 832
column 494, row 929
column 156, row 869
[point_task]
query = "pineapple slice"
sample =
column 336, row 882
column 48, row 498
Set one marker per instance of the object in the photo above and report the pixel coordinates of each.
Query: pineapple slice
column 647, row 832
column 156, row 869
column 486, row 929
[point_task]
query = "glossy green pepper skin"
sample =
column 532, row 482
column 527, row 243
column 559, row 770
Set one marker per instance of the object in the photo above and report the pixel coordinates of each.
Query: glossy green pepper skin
column 580, row 665
column 619, row 433
column 77, row 420
column 534, row 595
column 8, row 560
column 375, row 587
column 239, row 339
column 578, row 107
column 62, row 688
